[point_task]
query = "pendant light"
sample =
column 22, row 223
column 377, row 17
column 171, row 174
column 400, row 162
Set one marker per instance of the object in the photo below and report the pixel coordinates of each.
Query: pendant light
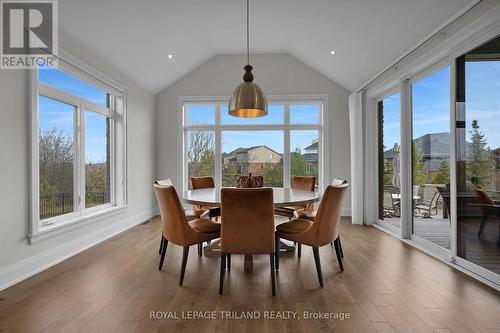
column 248, row 100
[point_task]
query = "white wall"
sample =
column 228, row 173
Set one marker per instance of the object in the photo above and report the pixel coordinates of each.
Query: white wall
column 277, row 75
column 18, row 259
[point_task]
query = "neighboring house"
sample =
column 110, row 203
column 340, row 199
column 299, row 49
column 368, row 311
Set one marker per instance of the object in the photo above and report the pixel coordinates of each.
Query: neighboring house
column 434, row 147
column 251, row 159
column 311, row 157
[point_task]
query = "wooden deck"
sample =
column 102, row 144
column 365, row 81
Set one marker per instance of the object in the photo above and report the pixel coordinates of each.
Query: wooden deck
column 387, row 286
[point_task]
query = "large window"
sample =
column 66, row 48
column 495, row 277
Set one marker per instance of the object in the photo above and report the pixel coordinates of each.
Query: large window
column 287, row 142
column 78, row 146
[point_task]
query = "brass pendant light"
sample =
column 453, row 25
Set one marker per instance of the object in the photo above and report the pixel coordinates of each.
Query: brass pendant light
column 248, row 100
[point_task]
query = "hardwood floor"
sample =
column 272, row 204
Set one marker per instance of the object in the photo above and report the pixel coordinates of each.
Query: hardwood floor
column 387, row 286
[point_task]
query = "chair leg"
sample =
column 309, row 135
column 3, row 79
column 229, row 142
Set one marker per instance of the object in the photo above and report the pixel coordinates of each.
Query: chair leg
column 273, row 278
column 228, row 256
column 331, row 243
column 163, row 251
column 185, row 254
column 481, row 227
column 277, row 251
column 299, row 250
column 318, row 265
column 340, row 247
column 200, row 249
column 161, row 244
column 222, row 271
column 338, row 252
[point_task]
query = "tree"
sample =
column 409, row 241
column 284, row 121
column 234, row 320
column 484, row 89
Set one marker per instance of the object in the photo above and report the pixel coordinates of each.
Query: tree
column 55, row 162
column 479, row 160
column 201, row 153
column 418, row 165
column 298, row 163
column 443, row 174
column 273, row 174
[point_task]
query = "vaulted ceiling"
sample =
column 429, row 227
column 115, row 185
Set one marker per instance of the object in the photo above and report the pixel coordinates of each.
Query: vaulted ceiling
column 136, row 36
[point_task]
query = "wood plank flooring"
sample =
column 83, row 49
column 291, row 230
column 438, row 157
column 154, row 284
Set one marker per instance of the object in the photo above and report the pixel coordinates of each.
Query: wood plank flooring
column 387, row 286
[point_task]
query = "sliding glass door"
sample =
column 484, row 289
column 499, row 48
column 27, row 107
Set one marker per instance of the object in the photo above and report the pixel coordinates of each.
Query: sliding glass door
column 478, row 156
column 438, row 152
column 389, row 136
column 430, row 108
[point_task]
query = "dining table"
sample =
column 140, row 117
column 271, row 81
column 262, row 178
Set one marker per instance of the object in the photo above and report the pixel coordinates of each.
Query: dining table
column 282, row 197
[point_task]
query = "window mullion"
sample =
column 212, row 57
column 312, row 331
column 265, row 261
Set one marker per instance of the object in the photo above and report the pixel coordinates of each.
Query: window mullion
column 218, row 148
column 286, row 148
column 81, row 159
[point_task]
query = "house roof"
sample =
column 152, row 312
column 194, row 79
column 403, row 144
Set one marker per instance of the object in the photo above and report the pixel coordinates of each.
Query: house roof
column 242, row 150
column 312, row 146
column 432, row 145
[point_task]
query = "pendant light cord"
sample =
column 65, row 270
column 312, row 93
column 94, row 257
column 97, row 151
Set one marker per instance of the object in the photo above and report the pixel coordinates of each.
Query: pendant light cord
column 248, row 32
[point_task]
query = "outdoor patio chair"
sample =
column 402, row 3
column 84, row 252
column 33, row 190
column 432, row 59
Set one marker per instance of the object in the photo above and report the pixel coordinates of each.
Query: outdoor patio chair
column 391, row 205
column 427, row 207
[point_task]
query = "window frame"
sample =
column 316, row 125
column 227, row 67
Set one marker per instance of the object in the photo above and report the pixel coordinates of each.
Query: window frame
column 286, row 127
column 116, row 112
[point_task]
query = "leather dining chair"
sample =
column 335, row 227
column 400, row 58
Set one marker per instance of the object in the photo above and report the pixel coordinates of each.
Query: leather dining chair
column 190, row 214
column 177, row 229
column 305, row 183
column 247, row 226
column 322, row 231
column 311, row 215
column 198, row 183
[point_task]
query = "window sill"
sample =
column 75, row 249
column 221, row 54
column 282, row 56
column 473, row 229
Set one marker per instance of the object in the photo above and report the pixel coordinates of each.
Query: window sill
column 47, row 231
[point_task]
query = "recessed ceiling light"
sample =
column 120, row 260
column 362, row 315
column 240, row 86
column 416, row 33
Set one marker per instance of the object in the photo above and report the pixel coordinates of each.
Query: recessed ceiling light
column 170, row 56
column 332, row 52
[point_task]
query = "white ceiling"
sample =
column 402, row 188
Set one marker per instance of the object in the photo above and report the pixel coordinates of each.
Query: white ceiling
column 367, row 35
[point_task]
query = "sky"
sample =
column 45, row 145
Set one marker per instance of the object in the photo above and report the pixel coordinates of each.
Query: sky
column 60, row 115
column 431, row 108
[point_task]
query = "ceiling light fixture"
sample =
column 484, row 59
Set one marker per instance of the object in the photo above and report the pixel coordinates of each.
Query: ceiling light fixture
column 170, row 56
column 332, row 52
column 248, row 100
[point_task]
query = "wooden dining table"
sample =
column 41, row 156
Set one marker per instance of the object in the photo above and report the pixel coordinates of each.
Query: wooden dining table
column 283, row 197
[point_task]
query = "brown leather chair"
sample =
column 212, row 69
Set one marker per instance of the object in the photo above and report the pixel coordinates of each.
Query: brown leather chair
column 311, row 215
column 177, row 229
column 305, row 183
column 198, row 183
column 247, row 226
column 323, row 230
column 489, row 208
column 190, row 214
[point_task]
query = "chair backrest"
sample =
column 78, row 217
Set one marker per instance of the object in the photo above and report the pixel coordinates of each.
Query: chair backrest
column 416, row 190
column 337, row 182
column 483, row 198
column 247, row 217
column 202, row 182
column 306, row 183
column 388, row 202
column 326, row 225
column 175, row 227
column 164, row 182
column 429, row 193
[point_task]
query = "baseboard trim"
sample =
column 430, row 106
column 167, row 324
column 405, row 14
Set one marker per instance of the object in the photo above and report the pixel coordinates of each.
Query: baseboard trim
column 19, row 271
